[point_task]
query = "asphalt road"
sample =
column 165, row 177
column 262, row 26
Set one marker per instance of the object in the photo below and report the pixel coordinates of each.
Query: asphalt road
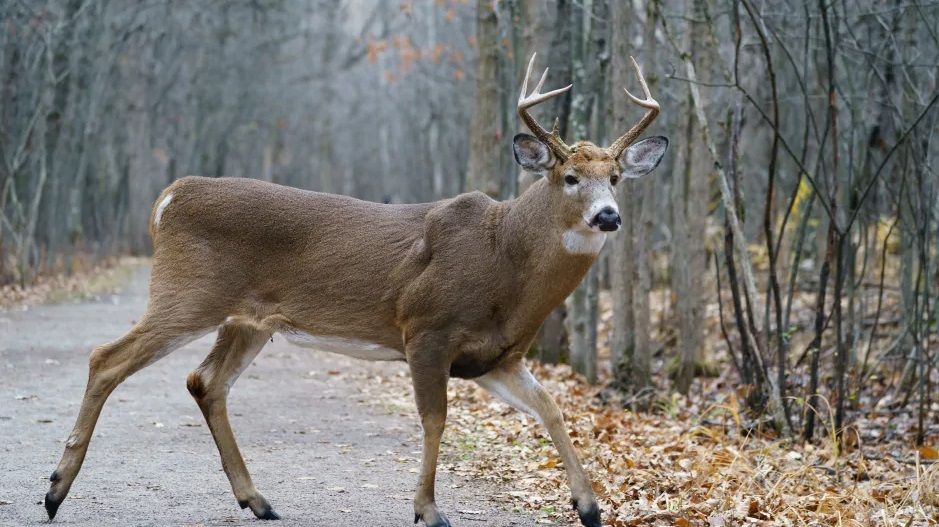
column 318, row 453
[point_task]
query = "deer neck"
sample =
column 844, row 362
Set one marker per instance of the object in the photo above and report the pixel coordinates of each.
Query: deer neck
column 535, row 222
column 552, row 257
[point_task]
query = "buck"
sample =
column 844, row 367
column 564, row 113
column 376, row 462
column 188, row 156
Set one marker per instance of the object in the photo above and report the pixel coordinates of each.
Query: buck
column 456, row 288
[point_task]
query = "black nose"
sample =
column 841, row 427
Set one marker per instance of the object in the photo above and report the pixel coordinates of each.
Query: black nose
column 607, row 220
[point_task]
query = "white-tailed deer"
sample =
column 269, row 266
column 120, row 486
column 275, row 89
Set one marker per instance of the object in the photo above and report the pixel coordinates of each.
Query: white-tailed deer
column 457, row 288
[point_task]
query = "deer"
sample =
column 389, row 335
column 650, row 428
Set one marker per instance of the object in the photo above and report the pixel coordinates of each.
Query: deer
column 456, row 288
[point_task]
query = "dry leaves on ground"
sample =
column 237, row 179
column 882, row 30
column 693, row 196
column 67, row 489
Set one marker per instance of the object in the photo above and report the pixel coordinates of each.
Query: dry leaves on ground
column 693, row 467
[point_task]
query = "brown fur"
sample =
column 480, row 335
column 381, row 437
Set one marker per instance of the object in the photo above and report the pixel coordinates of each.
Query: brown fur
column 315, row 262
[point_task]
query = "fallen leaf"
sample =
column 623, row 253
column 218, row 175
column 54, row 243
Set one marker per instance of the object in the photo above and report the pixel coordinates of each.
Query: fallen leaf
column 928, row 452
column 551, row 462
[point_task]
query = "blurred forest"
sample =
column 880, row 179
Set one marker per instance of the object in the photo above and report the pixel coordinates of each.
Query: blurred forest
column 783, row 253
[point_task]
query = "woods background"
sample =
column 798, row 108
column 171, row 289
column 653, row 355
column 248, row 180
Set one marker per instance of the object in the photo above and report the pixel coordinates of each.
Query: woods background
column 784, row 252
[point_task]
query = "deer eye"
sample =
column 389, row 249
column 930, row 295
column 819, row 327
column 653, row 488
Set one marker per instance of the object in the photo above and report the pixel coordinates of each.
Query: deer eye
column 571, row 180
column 614, row 179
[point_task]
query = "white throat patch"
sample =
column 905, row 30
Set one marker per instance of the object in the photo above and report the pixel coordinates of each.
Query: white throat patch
column 578, row 241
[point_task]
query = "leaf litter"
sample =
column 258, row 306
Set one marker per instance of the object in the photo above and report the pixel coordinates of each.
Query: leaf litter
column 692, row 465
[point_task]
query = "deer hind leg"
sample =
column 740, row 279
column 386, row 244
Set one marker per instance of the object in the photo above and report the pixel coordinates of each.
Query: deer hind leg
column 516, row 385
column 108, row 366
column 430, row 393
column 235, row 348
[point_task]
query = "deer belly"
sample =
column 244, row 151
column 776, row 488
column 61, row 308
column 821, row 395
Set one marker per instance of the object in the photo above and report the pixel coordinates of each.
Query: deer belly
column 360, row 349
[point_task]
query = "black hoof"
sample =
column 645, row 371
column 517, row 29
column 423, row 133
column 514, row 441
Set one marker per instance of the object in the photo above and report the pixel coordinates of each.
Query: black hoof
column 443, row 522
column 263, row 512
column 268, row 514
column 590, row 517
column 52, row 504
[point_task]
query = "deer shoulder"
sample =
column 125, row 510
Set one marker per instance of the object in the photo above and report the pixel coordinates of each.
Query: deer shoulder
column 461, row 293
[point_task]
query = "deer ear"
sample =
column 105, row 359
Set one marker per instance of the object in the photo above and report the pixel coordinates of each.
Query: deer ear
column 531, row 154
column 642, row 157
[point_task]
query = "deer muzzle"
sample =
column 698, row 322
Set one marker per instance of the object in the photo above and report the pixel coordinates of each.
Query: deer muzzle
column 607, row 220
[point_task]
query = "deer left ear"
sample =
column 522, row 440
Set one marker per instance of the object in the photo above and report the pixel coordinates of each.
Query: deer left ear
column 642, row 157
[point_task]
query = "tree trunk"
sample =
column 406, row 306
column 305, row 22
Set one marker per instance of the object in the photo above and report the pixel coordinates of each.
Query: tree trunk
column 483, row 171
column 630, row 368
column 582, row 327
column 690, row 197
column 537, row 20
column 644, row 210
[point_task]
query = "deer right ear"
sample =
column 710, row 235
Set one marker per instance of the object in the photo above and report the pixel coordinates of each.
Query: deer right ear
column 531, row 154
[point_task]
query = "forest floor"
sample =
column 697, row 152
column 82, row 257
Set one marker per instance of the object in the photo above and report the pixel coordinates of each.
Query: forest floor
column 692, row 461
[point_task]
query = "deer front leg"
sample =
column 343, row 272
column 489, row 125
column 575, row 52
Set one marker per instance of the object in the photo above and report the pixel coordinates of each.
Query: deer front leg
column 516, row 385
column 430, row 392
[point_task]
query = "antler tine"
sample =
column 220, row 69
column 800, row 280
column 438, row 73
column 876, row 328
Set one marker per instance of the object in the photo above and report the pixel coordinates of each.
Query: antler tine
column 527, row 100
column 619, row 146
column 531, row 63
column 544, row 76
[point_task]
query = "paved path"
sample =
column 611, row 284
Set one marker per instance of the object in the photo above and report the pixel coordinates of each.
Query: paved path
column 316, row 452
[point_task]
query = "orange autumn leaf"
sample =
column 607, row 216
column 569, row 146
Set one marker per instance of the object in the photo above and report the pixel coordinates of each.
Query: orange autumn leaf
column 551, row 462
column 928, row 452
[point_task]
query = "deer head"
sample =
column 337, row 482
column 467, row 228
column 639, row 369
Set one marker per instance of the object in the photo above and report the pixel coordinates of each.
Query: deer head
column 584, row 175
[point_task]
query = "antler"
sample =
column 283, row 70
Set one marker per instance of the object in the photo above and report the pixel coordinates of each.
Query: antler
column 619, row 146
column 552, row 139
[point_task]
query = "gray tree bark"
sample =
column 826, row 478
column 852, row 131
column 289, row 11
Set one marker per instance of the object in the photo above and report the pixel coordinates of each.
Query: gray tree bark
column 689, row 199
column 483, row 171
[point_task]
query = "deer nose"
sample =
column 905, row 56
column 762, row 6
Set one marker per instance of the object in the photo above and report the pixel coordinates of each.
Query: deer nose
column 607, row 219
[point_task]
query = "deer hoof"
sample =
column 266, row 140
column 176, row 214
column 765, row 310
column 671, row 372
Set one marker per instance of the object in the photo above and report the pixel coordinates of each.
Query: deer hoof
column 260, row 507
column 440, row 520
column 589, row 515
column 52, row 504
